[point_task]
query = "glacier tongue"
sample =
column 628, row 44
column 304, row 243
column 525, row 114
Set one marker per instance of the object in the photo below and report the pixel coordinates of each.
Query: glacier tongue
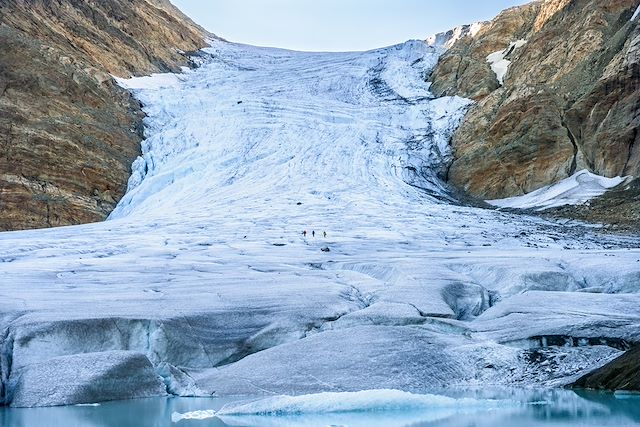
column 203, row 269
column 253, row 124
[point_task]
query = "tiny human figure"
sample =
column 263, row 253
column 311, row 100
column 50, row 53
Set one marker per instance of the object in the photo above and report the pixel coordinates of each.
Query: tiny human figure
column 313, row 233
column 304, row 233
column 324, row 233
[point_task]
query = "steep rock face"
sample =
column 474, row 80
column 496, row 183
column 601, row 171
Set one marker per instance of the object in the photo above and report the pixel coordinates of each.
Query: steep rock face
column 623, row 373
column 68, row 133
column 569, row 99
column 67, row 139
column 464, row 69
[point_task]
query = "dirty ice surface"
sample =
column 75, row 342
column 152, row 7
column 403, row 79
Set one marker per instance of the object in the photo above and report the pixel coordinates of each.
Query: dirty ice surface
column 575, row 190
column 204, row 271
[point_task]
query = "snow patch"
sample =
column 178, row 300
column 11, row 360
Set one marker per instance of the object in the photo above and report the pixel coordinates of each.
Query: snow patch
column 447, row 39
column 636, row 14
column 154, row 81
column 499, row 63
column 575, row 190
column 362, row 401
column 475, row 28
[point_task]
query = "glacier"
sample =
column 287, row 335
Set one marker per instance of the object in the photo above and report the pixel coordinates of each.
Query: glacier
column 204, row 273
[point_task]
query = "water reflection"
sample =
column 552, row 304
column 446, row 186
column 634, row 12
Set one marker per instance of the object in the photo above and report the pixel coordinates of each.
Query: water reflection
column 556, row 408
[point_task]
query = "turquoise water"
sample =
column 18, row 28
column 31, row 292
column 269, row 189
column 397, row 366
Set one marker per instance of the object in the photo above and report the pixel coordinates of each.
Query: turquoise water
column 529, row 409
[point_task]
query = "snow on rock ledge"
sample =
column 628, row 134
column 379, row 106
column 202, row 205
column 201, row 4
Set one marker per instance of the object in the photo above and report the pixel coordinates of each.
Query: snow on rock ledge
column 154, row 81
column 448, row 38
column 575, row 190
column 499, row 63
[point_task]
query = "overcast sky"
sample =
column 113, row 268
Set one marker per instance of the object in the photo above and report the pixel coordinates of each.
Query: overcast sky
column 336, row 25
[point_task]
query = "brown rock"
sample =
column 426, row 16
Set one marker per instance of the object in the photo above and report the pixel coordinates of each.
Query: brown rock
column 606, row 119
column 123, row 37
column 509, row 147
column 569, row 100
column 68, row 133
column 622, row 373
column 464, row 70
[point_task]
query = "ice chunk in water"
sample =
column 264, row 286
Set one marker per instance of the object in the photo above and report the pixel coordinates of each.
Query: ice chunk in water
column 194, row 415
column 363, row 401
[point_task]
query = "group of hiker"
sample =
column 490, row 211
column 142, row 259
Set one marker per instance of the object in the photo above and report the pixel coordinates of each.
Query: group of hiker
column 313, row 233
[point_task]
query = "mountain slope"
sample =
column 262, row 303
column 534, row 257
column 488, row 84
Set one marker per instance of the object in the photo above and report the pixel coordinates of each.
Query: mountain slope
column 569, row 99
column 68, row 132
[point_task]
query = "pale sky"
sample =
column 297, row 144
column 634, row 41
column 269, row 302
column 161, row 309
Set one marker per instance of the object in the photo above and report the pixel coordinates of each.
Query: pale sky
column 336, row 25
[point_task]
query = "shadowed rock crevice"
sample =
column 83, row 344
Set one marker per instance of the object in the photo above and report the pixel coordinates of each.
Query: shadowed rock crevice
column 572, row 138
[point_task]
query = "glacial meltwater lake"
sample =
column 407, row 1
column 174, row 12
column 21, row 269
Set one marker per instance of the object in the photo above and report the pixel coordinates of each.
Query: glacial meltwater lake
column 521, row 408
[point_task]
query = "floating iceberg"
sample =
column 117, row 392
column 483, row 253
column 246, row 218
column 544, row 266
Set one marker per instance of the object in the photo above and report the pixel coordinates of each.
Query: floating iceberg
column 193, row 415
column 362, row 401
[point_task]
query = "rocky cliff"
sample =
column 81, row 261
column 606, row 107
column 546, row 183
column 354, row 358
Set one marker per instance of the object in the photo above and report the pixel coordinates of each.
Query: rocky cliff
column 621, row 373
column 569, row 99
column 68, row 132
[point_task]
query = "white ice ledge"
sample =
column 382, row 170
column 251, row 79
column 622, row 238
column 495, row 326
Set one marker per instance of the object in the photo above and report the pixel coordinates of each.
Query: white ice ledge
column 575, row 190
